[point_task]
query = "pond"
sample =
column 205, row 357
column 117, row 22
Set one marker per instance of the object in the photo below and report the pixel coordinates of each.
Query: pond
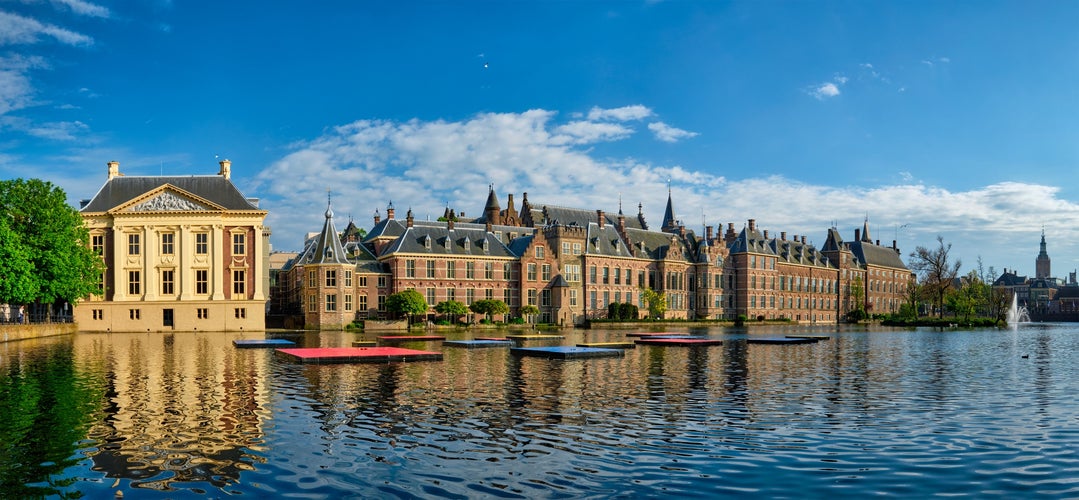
column 873, row 411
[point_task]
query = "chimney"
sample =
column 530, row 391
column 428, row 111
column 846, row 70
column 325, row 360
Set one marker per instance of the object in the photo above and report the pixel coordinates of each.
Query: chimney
column 783, row 235
column 449, row 224
column 408, row 218
column 489, row 228
column 378, row 217
column 682, row 231
column 226, row 169
column 752, row 225
column 389, row 211
column 601, row 218
column 893, row 246
column 114, row 169
column 857, row 234
column 803, row 240
column 708, row 233
column 766, row 234
column 878, row 243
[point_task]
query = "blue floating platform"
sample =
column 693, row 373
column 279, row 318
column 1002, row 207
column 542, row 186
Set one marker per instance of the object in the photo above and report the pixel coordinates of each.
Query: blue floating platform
column 609, row 345
column 535, row 337
column 781, row 340
column 263, row 343
column 564, row 352
column 475, row 344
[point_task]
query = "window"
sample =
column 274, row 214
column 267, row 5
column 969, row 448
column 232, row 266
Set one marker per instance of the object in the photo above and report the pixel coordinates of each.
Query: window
column 382, row 282
column 470, row 296
column 167, row 243
column 470, row 270
column 239, row 241
column 410, row 268
column 573, row 272
column 592, row 299
column 331, row 302
column 97, row 244
column 238, row 281
column 312, row 303
column 134, row 313
column 331, row 278
column 507, row 297
column 348, row 279
column 348, row 301
column 545, row 272
column 545, row 298
column 132, row 244
column 617, row 276
column 382, row 303
column 576, row 249
column 240, row 312
column 134, row 282
column 531, row 296
column 507, row 270
column 531, row 271
column 99, row 314
column 201, row 281
column 430, row 269
column 489, row 270
column 565, row 248
column 606, row 275
column 312, row 279
column 489, row 294
column 431, row 296
column 363, row 281
column 203, row 313
column 451, row 270
column 539, row 252
column 167, row 281
column 592, row 274
column 451, row 294
column 202, row 243
column 573, row 297
column 629, row 276
column 362, row 304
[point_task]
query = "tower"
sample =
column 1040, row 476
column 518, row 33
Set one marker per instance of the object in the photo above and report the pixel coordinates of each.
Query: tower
column 1041, row 264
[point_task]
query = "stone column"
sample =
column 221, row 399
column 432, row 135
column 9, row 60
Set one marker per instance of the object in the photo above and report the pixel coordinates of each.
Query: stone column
column 218, row 264
column 149, row 254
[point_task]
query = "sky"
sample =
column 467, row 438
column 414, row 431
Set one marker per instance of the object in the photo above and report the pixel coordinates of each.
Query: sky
column 928, row 118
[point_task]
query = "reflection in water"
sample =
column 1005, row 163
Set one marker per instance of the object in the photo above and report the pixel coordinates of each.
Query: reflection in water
column 889, row 412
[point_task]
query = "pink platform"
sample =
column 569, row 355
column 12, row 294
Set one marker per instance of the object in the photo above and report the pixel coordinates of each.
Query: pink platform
column 359, row 354
column 679, row 342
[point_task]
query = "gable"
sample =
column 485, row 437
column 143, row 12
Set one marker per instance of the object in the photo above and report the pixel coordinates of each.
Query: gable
column 168, row 198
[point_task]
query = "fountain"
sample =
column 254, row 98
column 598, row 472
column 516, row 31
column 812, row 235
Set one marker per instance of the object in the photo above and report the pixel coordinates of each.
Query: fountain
column 1016, row 314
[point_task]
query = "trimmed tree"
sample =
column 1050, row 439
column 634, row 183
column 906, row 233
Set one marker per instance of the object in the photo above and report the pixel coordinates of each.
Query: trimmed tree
column 530, row 310
column 489, row 307
column 657, row 302
column 408, row 302
column 451, row 308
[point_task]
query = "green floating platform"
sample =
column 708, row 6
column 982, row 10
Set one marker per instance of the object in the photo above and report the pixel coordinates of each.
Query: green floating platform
column 564, row 352
column 609, row 345
column 535, row 337
column 780, row 340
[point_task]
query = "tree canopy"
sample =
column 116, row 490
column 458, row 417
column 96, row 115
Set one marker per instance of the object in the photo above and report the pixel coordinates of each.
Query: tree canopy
column 451, row 308
column 489, row 307
column 657, row 302
column 45, row 253
column 937, row 273
column 408, row 302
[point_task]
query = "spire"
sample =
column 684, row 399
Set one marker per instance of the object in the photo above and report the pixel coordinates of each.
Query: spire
column 492, row 209
column 865, row 230
column 669, row 223
column 328, row 249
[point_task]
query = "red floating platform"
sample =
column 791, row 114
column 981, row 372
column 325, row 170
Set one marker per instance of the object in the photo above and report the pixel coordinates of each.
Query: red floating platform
column 359, row 354
column 411, row 338
column 656, row 334
column 670, row 341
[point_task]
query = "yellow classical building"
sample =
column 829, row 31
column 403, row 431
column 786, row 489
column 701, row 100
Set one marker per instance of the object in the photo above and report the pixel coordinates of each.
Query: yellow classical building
column 182, row 253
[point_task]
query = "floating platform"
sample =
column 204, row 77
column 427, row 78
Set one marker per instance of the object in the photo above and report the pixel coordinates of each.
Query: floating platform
column 814, row 337
column 478, row 343
column 411, row 338
column 535, row 337
column 780, row 340
column 657, row 334
column 609, row 345
column 359, row 354
column 679, row 341
column 364, row 343
column 502, row 339
column 564, row 352
column 263, row 343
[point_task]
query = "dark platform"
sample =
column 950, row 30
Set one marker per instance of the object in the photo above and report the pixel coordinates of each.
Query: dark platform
column 679, row 341
column 474, row 344
column 263, row 343
column 359, row 354
column 563, row 352
column 781, row 340
column 411, row 338
column 534, row 337
column 814, row 337
column 657, row 334
column 609, row 345
column 364, row 343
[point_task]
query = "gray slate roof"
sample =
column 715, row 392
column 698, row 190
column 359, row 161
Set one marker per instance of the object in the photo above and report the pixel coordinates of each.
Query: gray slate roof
column 213, row 188
column 876, row 255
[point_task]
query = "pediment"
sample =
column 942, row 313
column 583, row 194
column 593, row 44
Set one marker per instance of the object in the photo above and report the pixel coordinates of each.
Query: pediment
column 168, row 198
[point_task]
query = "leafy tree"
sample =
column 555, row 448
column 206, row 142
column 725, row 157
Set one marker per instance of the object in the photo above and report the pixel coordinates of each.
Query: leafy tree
column 408, row 302
column 936, row 271
column 489, row 307
column 657, row 302
column 52, row 238
column 451, row 308
column 856, row 300
column 17, row 282
column 529, row 310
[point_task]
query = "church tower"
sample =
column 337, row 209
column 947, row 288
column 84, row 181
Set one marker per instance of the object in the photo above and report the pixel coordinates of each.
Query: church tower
column 1041, row 265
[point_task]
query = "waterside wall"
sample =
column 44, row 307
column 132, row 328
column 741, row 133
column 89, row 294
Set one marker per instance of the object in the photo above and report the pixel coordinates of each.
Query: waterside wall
column 10, row 333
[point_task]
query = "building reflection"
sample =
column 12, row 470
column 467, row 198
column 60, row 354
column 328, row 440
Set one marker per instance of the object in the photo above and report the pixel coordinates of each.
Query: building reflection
column 180, row 408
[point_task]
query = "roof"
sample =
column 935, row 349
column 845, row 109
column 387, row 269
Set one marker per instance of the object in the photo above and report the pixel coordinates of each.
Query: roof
column 213, row 188
column 876, row 255
column 440, row 240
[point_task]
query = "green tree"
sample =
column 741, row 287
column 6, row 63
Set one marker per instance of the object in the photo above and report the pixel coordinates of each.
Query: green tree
column 451, row 308
column 408, row 302
column 52, row 238
column 657, row 302
column 489, row 307
column 17, row 282
column 856, row 300
column 531, row 311
column 936, row 271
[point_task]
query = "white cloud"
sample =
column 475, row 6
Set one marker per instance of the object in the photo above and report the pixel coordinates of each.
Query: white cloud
column 667, row 133
column 824, row 90
column 625, row 113
column 16, row 90
column 584, row 132
column 58, row 131
column 84, row 8
column 18, row 30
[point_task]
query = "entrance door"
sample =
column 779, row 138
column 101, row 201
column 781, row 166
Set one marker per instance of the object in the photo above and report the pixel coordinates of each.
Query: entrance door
column 167, row 317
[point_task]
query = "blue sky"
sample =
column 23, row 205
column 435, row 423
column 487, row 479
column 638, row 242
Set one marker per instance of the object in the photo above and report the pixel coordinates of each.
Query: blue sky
column 933, row 118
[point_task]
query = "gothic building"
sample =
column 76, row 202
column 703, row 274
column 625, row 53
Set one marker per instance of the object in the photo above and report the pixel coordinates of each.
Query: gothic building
column 572, row 263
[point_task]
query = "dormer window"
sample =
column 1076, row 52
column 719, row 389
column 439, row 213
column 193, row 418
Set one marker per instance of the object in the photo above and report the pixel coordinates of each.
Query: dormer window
column 467, row 244
column 427, row 242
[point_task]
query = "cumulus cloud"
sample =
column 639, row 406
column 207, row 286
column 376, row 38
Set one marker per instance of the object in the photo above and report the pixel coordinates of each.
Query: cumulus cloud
column 19, row 30
column 625, row 113
column 83, row 8
column 824, row 90
column 428, row 165
column 667, row 133
column 584, row 132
